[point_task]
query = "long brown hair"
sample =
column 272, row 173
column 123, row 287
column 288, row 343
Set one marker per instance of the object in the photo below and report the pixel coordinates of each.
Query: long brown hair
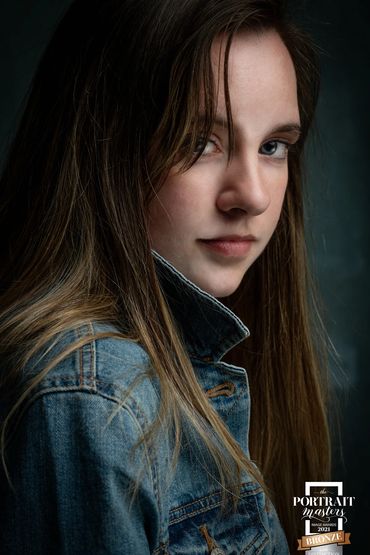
column 113, row 103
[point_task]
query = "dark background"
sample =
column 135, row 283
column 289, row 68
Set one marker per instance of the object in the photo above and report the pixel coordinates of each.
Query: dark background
column 338, row 215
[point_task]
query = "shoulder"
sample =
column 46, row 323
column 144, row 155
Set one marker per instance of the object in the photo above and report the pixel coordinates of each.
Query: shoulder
column 78, row 432
column 97, row 359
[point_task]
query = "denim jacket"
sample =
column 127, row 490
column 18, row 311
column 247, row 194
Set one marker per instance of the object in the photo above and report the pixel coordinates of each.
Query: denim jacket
column 71, row 463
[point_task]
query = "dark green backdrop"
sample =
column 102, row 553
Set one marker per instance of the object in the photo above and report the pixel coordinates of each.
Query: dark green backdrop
column 338, row 201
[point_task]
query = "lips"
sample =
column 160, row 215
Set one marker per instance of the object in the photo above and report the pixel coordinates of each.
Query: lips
column 232, row 238
column 230, row 245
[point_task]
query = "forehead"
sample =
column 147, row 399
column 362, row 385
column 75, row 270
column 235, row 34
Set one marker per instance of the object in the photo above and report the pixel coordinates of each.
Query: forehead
column 261, row 77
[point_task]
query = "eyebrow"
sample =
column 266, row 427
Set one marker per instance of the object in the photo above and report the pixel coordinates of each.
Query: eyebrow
column 290, row 127
column 287, row 128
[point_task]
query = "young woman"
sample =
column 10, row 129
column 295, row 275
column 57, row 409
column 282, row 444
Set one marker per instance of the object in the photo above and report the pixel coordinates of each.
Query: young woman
column 151, row 199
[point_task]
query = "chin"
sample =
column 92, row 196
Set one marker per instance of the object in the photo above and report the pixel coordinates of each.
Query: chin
column 226, row 293
column 220, row 289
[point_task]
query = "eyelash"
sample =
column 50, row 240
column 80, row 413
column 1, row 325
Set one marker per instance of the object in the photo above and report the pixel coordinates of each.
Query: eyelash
column 286, row 145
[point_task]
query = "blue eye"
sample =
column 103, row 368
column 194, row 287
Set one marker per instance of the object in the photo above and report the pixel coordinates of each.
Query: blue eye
column 275, row 149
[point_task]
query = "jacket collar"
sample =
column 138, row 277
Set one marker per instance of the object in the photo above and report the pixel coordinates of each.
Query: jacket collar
column 209, row 329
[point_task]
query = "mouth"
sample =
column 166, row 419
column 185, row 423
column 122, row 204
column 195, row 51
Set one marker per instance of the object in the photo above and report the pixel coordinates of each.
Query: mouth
column 235, row 246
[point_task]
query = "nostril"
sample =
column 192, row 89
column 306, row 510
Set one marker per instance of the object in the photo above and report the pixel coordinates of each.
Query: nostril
column 227, row 389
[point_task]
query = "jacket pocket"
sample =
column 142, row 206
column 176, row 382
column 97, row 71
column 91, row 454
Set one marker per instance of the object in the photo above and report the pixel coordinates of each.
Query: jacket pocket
column 201, row 528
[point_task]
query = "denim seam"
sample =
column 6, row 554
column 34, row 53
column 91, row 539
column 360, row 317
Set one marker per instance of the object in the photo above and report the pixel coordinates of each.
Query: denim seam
column 92, row 356
column 259, row 549
column 245, row 494
column 84, row 387
column 195, row 512
column 268, row 536
column 89, row 349
column 109, row 357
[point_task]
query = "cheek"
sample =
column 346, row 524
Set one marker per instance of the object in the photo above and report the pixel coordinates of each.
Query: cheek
column 280, row 196
column 280, row 190
column 173, row 210
column 277, row 201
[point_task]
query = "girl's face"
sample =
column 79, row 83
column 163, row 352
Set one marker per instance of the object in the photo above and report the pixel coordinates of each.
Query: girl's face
column 214, row 220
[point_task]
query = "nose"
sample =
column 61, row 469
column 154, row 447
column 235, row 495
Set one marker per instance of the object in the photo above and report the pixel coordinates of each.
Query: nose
column 244, row 187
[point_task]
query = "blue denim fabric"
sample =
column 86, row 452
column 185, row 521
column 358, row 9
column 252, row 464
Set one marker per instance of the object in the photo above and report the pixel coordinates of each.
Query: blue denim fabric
column 73, row 471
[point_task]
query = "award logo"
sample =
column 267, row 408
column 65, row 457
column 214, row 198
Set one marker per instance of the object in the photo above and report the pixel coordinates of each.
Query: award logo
column 324, row 509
